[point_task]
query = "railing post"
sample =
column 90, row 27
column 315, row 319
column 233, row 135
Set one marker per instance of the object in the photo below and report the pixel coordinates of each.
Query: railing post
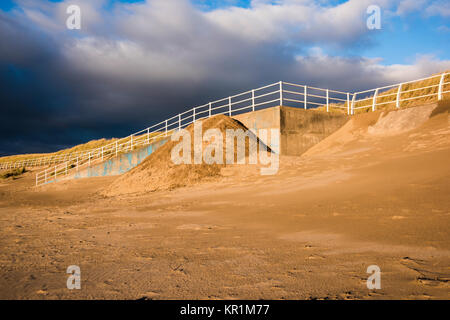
column 229, row 106
column 209, row 109
column 193, row 115
column 166, row 129
column 374, row 100
column 253, row 99
column 399, row 91
column 348, row 103
column 281, row 93
column 328, row 106
column 131, row 143
column 305, row 100
column 89, row 159
column 148, row 135
column 353, row 104
column 77, row 163
column 441, row 87
column 117, row 147
column 179, row 121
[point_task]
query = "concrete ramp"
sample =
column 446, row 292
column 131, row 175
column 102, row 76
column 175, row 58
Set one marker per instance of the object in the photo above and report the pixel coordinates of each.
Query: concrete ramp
column 117, row 165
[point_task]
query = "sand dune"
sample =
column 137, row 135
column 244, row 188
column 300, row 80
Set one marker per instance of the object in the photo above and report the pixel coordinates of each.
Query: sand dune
column 159, row 172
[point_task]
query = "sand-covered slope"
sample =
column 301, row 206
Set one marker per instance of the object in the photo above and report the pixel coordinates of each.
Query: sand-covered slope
column 159, row 172
column 395, row 132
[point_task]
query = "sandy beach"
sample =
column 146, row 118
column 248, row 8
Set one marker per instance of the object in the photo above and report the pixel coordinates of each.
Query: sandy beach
column 369, row 194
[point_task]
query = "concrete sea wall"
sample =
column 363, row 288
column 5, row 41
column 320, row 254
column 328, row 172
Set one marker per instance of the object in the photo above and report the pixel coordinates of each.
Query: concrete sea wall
column 117, row 165
column 300, row 129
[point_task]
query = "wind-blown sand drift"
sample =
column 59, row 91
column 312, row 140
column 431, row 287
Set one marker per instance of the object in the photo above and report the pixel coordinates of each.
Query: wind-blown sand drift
column 375, row 192
column 159, row 172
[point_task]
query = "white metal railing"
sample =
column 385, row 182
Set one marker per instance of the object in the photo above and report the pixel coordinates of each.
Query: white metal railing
column 268, row 96
column 279, row 93
column 396, row 94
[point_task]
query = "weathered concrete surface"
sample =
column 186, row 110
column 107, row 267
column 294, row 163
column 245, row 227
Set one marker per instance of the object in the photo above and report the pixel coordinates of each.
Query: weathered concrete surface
column 262, row 119
column 300, row 129
column 117, row 165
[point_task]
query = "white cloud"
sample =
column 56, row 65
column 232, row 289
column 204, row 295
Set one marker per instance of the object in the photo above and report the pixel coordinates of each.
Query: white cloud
column 408, row 6
column 423, row 66
column 296, row 20
column 425, row 7
column 172, row 42
column 438, row 8
column 364, row 73
column 443, row 29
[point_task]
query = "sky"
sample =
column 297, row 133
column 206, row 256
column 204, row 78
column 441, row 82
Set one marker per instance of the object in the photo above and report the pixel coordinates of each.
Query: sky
column 135, row 63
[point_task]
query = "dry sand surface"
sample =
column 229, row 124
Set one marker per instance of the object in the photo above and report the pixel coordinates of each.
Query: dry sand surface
column 376, row 192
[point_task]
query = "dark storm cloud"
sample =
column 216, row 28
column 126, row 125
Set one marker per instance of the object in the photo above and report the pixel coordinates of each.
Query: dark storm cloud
column 134, row 65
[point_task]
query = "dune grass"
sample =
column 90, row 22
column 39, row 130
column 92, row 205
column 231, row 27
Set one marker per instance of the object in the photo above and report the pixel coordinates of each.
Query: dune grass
column 13, row 173
column 85, row 147
column 78, row 148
